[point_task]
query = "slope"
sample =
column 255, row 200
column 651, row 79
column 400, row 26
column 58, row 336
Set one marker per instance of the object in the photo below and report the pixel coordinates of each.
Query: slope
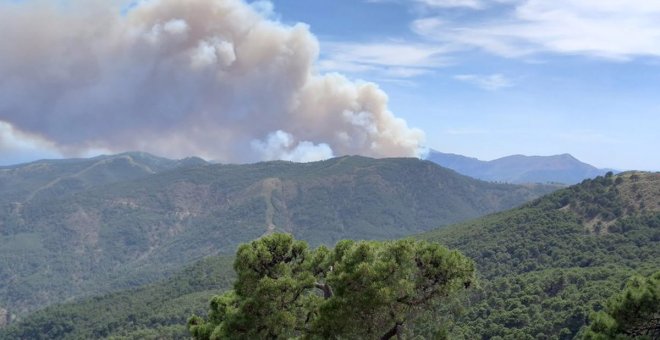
column 153, row 311
column 543, row 268
column 547, row 265
column 51, row 178
column 129, row 233
column 564, row 168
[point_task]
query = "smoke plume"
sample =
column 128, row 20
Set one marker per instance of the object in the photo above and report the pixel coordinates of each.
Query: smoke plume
column 214, row 78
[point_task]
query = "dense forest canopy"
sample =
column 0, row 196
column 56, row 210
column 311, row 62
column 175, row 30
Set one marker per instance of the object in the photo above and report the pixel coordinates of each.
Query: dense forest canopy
column 633, row 313
column 547, row 265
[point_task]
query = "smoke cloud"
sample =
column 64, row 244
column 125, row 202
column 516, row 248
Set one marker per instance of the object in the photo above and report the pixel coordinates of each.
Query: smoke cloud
column 16, row 147
column 214, row 78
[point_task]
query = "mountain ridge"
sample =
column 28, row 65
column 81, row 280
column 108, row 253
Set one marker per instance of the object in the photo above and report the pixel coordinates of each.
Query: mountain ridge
column 113, row 232
column 65, row 176
column 562, row 168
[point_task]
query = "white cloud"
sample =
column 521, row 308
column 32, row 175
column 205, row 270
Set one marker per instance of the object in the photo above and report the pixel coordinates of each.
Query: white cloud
column 176, row 26
column 492, row 82
column 265, row 8
column 475, row 4
column 387, row 59
column 439, row 4
column 209, row 53
column 283, row 146
column 614, row 29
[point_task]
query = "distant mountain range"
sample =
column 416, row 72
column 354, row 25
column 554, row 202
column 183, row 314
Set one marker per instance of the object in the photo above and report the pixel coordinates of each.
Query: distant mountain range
column 564, row 169
column 76, row 227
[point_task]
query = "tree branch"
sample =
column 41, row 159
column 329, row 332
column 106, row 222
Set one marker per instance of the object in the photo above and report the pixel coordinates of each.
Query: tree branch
column 327, row 290
column 395, row 330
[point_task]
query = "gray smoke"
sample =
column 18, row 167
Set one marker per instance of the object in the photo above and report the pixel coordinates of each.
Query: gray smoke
column 213, row 78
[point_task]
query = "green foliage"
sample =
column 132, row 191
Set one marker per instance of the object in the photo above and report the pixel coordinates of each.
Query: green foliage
column 632, row 313
column 548, row 302
column 358, row 290
column 78, row 228
column 543, row 269
column 156, row 311
column 51, row 178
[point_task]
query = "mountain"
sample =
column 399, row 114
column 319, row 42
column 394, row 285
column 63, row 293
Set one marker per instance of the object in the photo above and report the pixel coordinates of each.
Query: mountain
column 543, row 267
column 564, row 168
column 52, row 178
column 546, row 265
column 127, row 221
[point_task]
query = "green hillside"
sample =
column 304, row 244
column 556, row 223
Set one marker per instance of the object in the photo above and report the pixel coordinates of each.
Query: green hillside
column 112, row 234
column 51, row 178
column 548, row 264
column 543, row 268
column 148, row 312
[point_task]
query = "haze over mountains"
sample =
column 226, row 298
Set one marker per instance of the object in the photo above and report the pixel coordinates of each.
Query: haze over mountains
column 75, row 227
column 562, row 168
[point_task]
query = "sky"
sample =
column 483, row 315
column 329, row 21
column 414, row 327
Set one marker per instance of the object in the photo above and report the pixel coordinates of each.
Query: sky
column 482, row 78
column 490, row 78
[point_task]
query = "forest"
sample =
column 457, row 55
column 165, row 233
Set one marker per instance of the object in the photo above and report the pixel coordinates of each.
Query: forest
column 541, row 271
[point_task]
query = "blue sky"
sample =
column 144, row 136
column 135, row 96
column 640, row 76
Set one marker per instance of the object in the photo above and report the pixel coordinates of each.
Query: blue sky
column 482, row 78
column 494, row 78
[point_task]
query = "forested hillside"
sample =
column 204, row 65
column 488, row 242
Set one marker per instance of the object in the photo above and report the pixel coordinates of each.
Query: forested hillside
column 124, row 221
column 153, row 311
column 547, row 265
column 542, row 269
column 45, row 179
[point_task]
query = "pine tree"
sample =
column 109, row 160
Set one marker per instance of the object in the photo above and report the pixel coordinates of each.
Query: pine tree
column 366, row 289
